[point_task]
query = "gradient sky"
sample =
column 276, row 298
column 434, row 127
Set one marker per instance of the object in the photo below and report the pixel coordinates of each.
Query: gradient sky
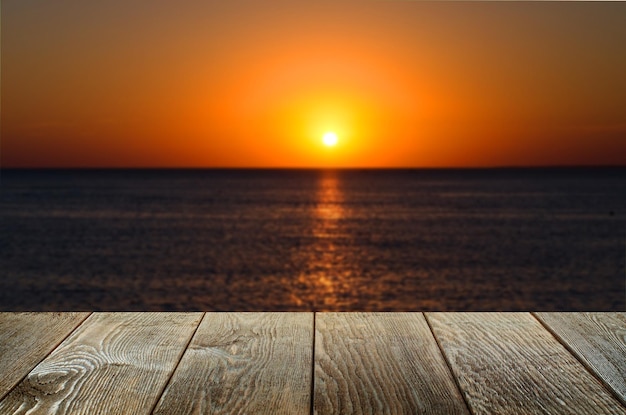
column 256, row 84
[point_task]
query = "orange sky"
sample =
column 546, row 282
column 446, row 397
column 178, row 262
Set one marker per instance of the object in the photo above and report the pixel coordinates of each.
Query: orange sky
column 257, row 84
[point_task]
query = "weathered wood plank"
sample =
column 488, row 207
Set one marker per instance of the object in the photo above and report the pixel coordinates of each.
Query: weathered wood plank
column 114, row 363
column 598, row 340
column 381, row 363
column 26, row 338
column 244, row 363
column 508, row 363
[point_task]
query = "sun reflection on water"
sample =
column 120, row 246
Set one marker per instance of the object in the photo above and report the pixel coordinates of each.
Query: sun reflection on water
column 326, row 283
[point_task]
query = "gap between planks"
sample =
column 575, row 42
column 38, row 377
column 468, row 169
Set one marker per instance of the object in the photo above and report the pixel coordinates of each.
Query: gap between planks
column 312, row 393
column 448, row 364
column 44, row 356
column 586, row 364
column 589, row 362
column 509, row 363
column 180, row 358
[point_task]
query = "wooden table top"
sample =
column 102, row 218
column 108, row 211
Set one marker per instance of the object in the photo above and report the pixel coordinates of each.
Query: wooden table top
column 322, row 363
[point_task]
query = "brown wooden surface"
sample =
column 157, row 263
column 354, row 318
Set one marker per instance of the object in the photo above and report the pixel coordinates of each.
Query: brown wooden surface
column 114, row 363
column 508, row 363
column 26, row 338
column 598, row 340
column 369, row 363
column 324, row 363
column 244, row 363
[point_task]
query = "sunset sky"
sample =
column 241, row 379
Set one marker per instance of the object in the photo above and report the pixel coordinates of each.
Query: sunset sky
column 237, row 83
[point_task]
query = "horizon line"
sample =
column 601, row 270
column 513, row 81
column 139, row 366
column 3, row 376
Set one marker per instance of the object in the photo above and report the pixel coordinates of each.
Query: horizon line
column 502, row 167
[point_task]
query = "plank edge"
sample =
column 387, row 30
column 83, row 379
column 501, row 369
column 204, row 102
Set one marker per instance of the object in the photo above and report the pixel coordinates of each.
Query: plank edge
column 59, row 341
column 448, row 364
column 592, row 371
column 182, row 353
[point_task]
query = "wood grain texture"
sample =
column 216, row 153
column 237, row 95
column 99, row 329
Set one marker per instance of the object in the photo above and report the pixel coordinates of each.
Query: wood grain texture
column 244, row 363
column 114, row 363
column 26, row 338
column 596, row 339
column 381, row 363
column 508, row 363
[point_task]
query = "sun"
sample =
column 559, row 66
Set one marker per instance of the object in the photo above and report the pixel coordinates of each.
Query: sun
column 329, row 139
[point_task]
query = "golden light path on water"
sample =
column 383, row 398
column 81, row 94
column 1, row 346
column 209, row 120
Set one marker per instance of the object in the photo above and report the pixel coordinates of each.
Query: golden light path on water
column 325, row 285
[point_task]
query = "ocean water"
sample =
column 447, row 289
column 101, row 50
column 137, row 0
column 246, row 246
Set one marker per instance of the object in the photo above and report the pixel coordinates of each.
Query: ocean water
column 295, row 240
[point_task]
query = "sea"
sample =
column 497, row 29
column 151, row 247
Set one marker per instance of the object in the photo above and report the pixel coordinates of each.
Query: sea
column 495, row 239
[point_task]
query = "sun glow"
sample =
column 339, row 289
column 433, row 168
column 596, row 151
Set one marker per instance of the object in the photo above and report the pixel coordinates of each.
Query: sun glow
column 329, row 139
